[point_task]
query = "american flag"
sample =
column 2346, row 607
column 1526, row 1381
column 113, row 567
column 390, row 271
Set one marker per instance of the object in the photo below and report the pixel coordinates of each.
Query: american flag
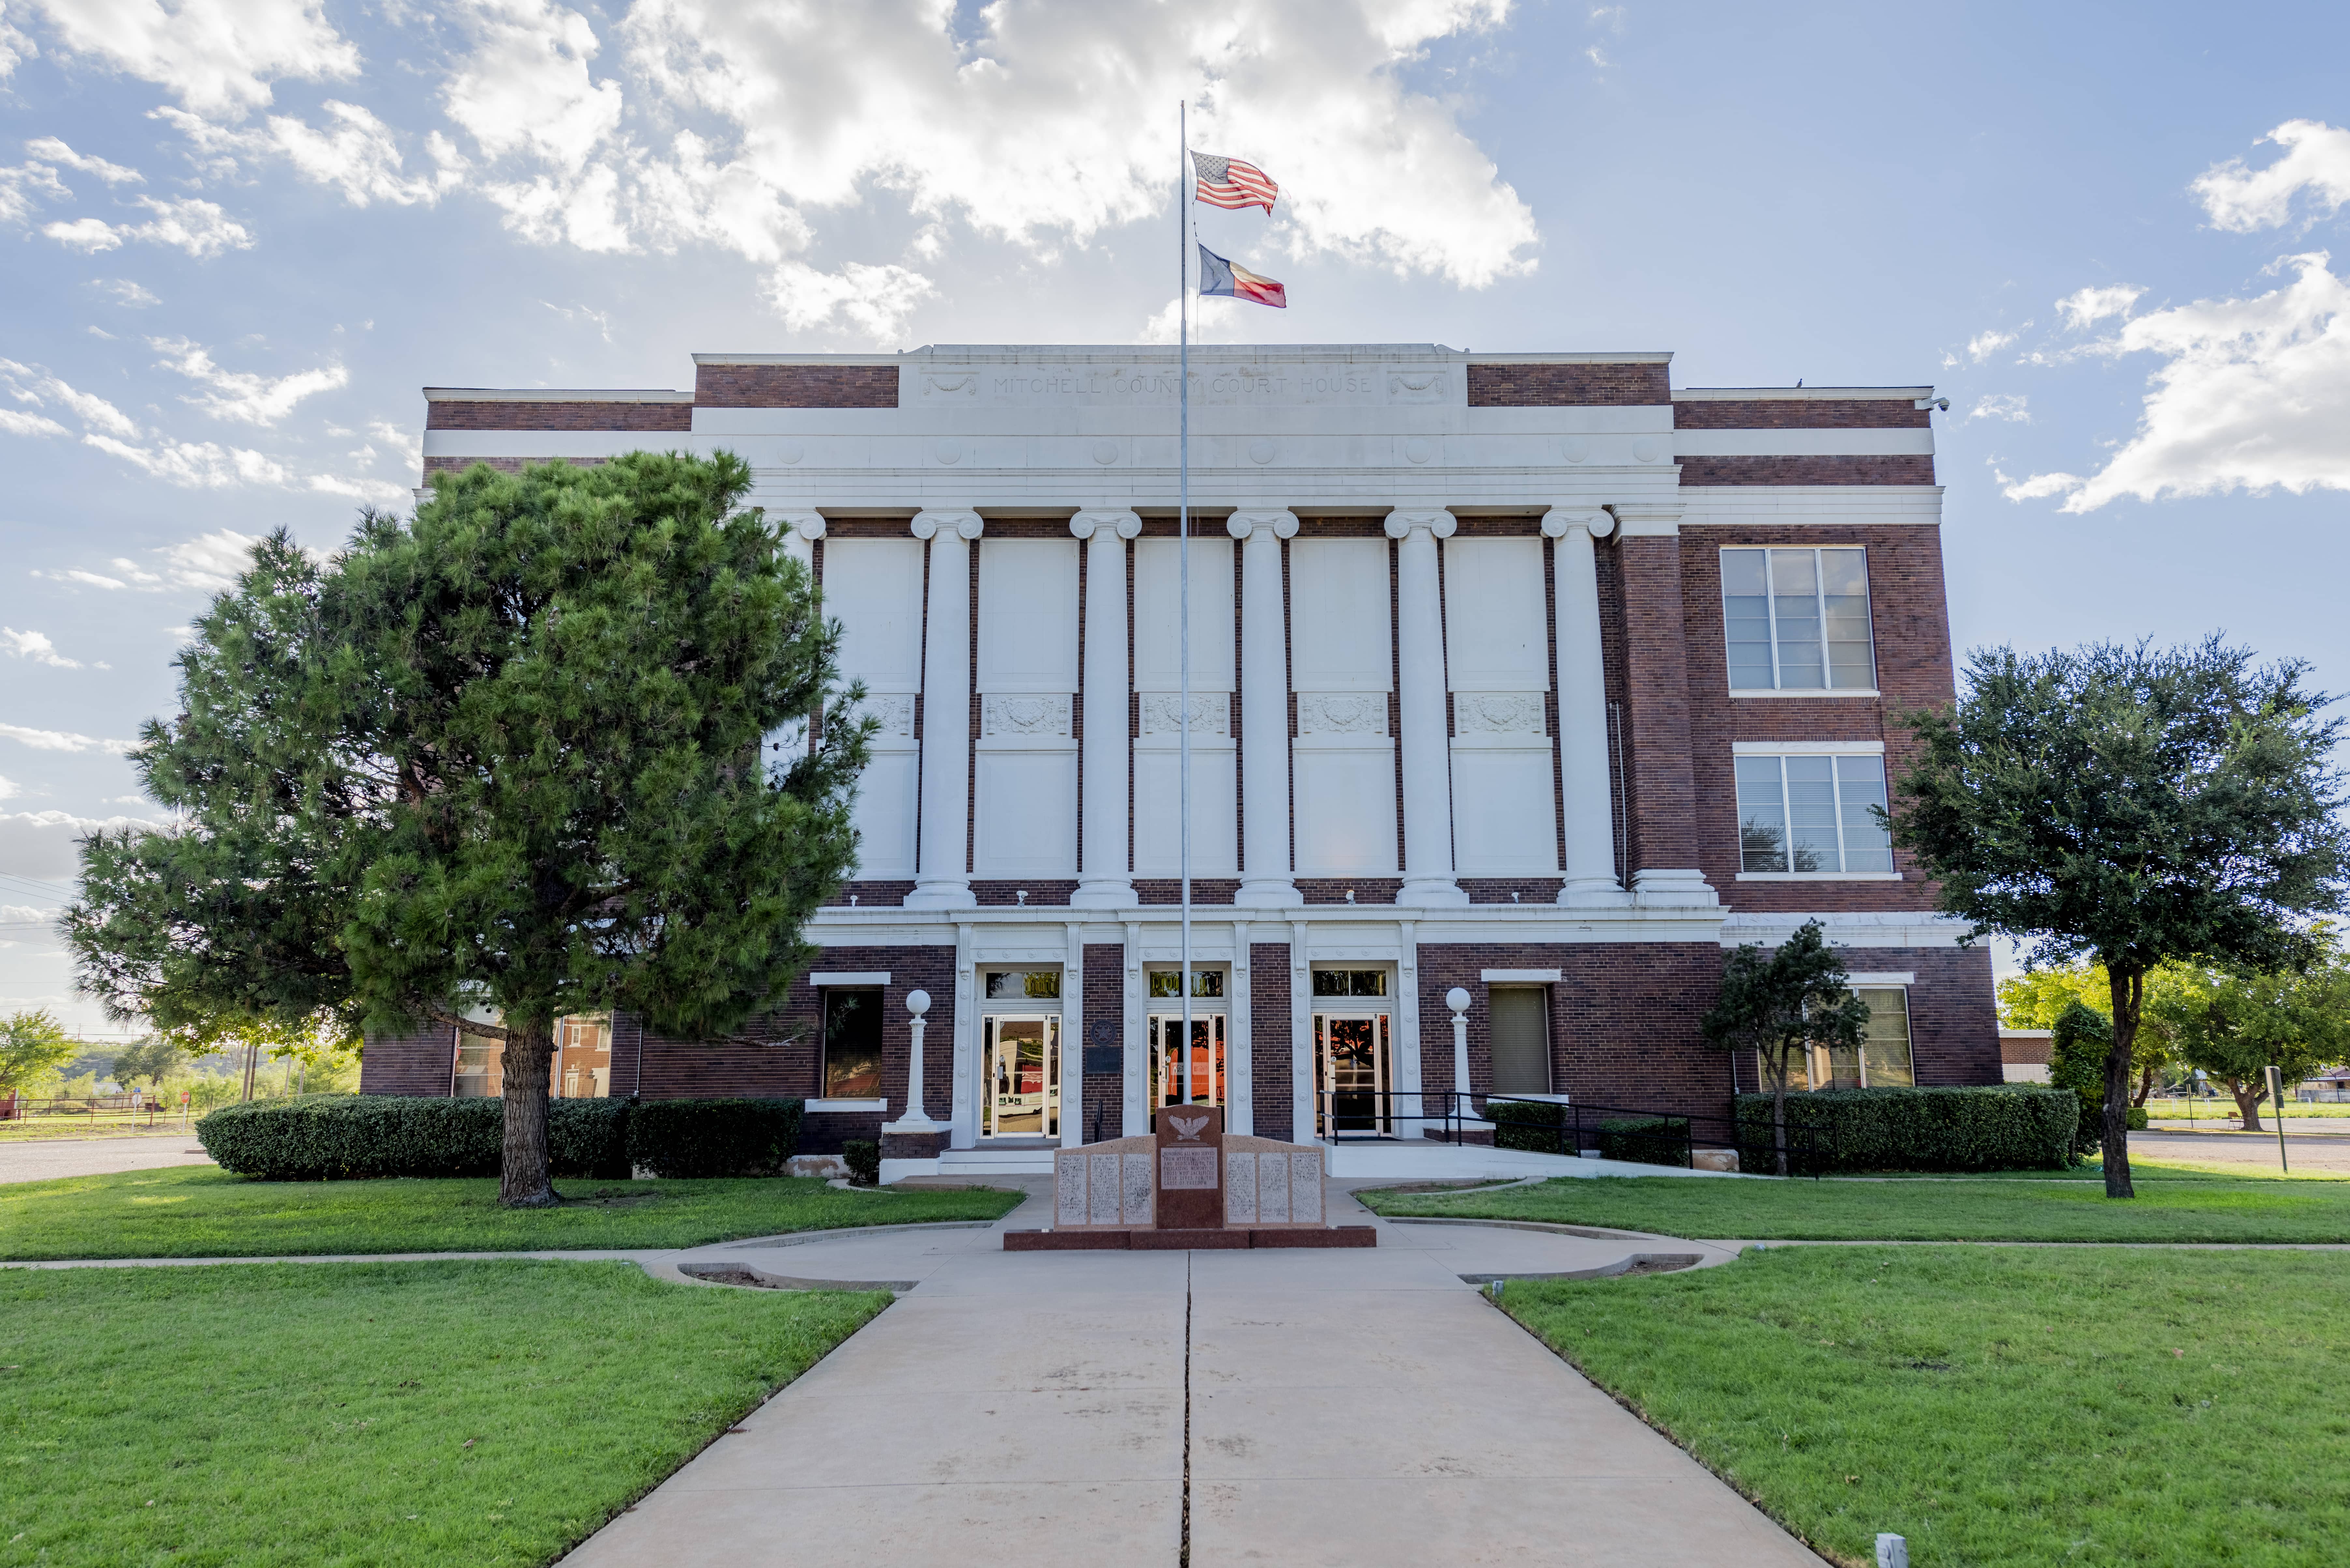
column 1229, row 183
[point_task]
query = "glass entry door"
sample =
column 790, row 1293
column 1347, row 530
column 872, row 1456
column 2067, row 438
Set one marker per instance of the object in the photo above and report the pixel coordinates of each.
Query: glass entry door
column 1023, row 1097
column 1167, row 1058
column 1350, row 1075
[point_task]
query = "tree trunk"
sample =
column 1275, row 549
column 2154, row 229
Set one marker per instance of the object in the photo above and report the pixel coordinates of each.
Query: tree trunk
column 2247, row 1100
column 522, row 1178
column 2130, row 998
column 1779, row 1110
column 2144, row 1084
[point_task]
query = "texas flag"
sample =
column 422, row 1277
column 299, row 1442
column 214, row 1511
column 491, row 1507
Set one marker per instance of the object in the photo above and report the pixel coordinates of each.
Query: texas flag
column 1233, row 281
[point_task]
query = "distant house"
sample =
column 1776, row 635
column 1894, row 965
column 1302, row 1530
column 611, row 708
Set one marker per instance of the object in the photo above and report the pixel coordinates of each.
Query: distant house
column 2023, row 1055
column 2334, row 1084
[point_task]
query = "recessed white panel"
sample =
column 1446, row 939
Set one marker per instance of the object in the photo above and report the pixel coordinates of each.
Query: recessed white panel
column 1157, row 619
column 1027, row 615
column 884, row 815
column 1346, row 811
column 1339, row 622
column 1503, row 822
column 874, row 587
column 1026, row 813
column 1216, row 816
column 1496, row 632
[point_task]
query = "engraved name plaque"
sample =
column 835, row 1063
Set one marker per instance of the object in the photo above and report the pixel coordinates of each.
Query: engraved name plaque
column 1186, row 1169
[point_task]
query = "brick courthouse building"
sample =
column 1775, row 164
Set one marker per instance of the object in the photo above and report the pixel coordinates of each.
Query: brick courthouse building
column 1520, row 674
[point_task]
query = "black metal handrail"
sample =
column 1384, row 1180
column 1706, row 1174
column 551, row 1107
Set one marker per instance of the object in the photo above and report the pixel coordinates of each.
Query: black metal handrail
column 1635, row 1134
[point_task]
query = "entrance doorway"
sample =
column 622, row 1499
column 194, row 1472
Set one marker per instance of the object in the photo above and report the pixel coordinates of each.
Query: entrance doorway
column 1167, row 1059
column 1351, row 1075
column 1022, row 1095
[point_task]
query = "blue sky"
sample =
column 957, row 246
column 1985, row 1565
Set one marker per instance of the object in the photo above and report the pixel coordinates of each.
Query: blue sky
column 241, row 235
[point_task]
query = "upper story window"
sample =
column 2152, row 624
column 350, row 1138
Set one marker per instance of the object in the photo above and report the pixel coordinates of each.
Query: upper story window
column 1797, row 620
column 1205, row 983
column 1022, row 984
column 1808, row 814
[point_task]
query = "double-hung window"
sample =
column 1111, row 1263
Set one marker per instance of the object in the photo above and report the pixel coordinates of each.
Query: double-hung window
column 1811, row 813
column 1797, row 620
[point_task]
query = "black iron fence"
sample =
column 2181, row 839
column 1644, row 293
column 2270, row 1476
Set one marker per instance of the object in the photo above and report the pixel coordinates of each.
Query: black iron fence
column 1636, row 1135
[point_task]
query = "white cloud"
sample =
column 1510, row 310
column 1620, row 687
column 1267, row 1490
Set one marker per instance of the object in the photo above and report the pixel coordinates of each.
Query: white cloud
column 209, row 561
column 381, row 491
column 58, row 739
column 2317, row 160
column 525, row 87
column 14, row 423
column 35, row 645
column 406, row 441
column 8, row 790
column 125, row 292
column 1990, row 341
column 23, row 914
column 1006, row 130
column 31, row 384
column 2253, row 394
column 875, row 301
column 19, row 185
column 76, row 574
column 2011, row 406
column 2084, row 309
column 196, row 465
column 198, row 227
column 357, row 153
column 240, row 395
column 51, row 149
column 217, row 56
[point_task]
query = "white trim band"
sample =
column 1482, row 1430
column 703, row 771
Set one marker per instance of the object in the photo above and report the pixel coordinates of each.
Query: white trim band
column 851, row 977
column 1518, row 976
column 1807, row 748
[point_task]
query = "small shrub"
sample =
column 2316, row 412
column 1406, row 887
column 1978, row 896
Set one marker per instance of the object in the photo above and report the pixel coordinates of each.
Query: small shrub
column 713, row 1138
column 1644, row 1140
column 2080, row 1042
column 863, row 1158
column 2003, row 1128
column 1536, row 1126
column 327, row 1138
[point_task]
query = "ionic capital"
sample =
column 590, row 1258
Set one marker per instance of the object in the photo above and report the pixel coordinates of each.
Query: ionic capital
column 1124, row 524
column 968, row 523
column 1556, row 522
column 1440, row 525
column 1241, row 525
column 808, row 525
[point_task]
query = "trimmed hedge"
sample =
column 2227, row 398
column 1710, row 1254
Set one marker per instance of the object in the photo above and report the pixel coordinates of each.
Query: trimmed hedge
column 2003, row 1128
column 326, row 1138
column 713, row 1138
column 1644, row 1140
column 863, row 1158
column 1528, row 1125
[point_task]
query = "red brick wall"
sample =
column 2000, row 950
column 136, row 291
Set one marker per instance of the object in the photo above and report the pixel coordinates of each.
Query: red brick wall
column 1910, row 619
column 582, row 414
column 1916, row 468
column 780, row 1055
column 795, row 386
column 1104, row 1106
column 502, row 464
column 1270, row 1045
column 1550, row 386
column 1801, row 413
column 419, row 1063
column 1655, row 703
column 1623, row 1020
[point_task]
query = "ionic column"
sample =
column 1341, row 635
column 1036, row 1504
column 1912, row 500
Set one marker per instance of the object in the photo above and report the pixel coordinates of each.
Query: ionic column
column 941, row 879
column 1424, row 734
column 1104, row 876
column 1264, row 710
column 1591, row 875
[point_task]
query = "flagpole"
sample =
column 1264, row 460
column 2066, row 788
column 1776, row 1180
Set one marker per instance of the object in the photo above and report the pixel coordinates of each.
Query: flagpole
column 1183, row 565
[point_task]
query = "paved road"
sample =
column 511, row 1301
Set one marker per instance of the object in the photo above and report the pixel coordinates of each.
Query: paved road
column 2312, row 1153
column 41, row 1159
column 1296, row 1408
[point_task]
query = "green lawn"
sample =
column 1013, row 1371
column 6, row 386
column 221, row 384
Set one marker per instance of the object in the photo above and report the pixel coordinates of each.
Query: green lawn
column 2197, row 1209
column 2000, row 1407
column 200, row 1211
column 328, row 1414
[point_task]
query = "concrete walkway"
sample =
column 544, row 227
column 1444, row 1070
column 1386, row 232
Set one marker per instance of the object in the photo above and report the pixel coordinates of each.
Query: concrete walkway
column 1341, row 1408
column 46, row 1159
